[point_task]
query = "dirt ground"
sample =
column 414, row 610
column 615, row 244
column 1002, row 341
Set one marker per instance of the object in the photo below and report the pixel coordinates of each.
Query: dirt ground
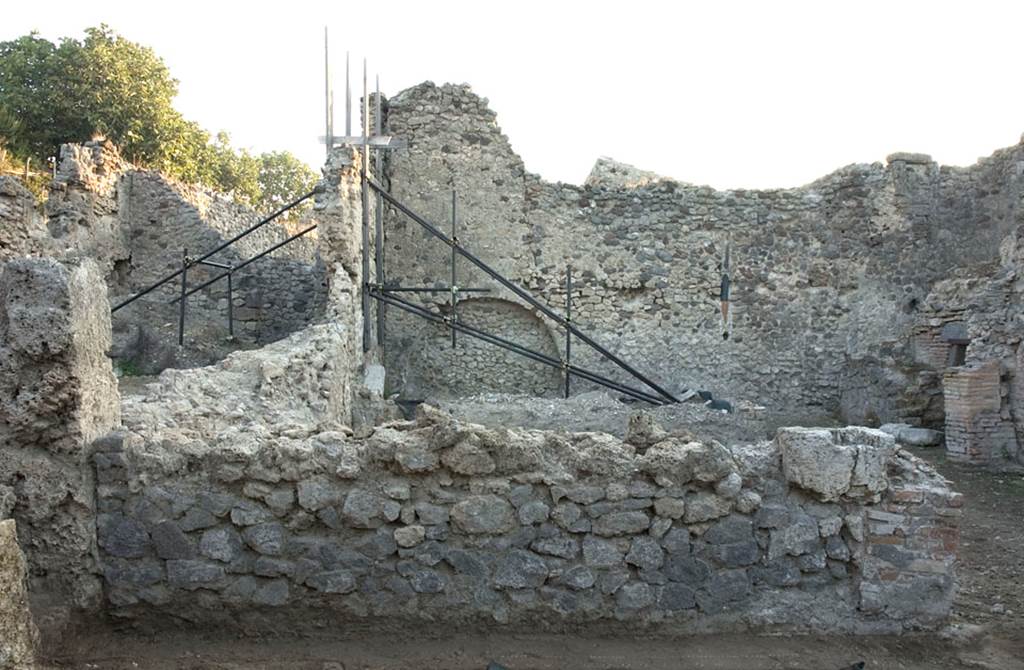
column 986, row 630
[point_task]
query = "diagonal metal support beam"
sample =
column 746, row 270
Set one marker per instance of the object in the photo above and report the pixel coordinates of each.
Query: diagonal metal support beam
column 428, row 289
column 241, row 265
column 582, row 373
column 152, row 287
column 522, row 293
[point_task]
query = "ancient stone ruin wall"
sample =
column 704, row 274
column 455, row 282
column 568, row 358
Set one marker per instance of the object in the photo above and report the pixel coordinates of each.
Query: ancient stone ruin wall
column 435, row 522
column 135, row 224
column 272, row 297
column 84, row 204
column 826, row 278
column 984, row 400
column 57, row 395
column 22, row 227
column 60, row 396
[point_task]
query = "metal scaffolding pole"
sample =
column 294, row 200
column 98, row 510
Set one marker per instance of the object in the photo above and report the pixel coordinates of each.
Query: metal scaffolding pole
column 378, row 172
column 365, row 187
column 231, row 308
column 184, row 287
column 244, row 263
column 568, row 333
column 454, row 286
column 328, row 98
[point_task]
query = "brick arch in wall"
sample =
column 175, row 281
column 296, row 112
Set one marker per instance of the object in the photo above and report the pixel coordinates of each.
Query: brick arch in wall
column 423, row 360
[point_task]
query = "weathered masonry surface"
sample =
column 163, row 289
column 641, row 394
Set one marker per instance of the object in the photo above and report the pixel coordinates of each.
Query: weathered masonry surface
column 830, row 281
column 438, row 522
column 264, row 493
column 57, row 395
column 136, row 224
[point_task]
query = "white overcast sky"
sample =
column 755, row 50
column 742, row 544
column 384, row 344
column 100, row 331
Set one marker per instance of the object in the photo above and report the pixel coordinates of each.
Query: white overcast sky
column 730, row 94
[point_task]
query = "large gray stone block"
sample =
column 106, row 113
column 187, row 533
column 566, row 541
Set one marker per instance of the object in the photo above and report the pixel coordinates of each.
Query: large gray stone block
column 483, row 514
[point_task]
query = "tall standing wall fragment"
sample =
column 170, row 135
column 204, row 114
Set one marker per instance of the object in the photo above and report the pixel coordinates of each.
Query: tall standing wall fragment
column 57, row 394
column 828, row 278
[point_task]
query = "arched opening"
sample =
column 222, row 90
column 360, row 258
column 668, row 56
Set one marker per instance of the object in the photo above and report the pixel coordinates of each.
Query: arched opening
column 422, row 363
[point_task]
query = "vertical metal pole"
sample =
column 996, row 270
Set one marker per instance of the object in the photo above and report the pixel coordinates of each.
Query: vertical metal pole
column 328, row 139
column 348, row 100
column 231, row 306
column 379, row 241
column 568, row 332
column 181, row 305
column 366, row 216
column 454, row 287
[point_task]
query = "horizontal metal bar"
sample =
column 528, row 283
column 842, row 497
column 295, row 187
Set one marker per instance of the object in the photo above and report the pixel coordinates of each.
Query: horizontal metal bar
column 427, row 289
column 244, row 263
column 515, row 348
column 222, row 266
column 375, row 142
column 319, row 189
column 522, row 293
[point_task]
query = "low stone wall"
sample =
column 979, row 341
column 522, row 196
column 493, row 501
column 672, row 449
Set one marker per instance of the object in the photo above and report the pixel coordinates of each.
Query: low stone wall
column 436, row 522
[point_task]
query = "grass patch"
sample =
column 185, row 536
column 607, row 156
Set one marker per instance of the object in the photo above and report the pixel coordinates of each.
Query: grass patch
column 128, row 369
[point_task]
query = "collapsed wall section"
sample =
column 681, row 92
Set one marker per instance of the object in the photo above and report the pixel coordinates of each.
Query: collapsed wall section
column 83, row 209
column 271, row 297
column 137, row 224
column 435, row 522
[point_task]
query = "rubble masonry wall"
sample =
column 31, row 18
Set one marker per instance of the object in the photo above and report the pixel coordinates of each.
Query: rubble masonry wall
column 136, row 223
column 436, row 522
column 827, row 278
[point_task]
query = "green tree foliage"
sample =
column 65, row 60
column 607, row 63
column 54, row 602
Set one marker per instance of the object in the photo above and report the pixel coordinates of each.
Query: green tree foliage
column 282, row 177
column 71, row 91
column 35, row 93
